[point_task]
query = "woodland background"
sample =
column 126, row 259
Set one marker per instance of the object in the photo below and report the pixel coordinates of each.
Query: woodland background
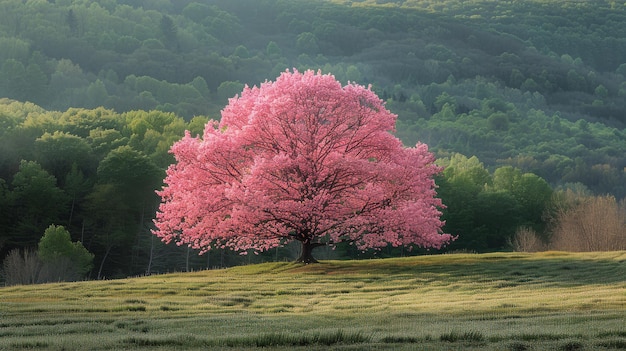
column 523, row 101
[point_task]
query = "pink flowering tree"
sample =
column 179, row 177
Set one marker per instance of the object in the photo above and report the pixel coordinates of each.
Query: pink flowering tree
column 302, row 158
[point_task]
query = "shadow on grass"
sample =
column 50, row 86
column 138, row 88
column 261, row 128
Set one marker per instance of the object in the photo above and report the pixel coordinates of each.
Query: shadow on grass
column 510, row 269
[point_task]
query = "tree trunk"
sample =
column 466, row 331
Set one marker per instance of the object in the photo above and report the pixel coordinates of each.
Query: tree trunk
column 306, row 253
column 106, row 254
column 151, row 258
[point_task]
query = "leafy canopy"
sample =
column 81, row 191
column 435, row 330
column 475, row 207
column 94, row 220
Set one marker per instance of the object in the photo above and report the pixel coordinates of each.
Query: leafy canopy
column 57, row 244
column 305, row 159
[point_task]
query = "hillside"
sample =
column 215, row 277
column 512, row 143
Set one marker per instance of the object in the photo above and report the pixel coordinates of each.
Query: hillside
column 538, row 85
column 94, row 93
column 552, row 300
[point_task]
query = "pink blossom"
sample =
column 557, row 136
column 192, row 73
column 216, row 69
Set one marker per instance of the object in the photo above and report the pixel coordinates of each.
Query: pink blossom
column 301, row 158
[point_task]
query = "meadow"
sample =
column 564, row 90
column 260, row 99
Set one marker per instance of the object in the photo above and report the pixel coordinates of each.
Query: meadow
column 497, row 301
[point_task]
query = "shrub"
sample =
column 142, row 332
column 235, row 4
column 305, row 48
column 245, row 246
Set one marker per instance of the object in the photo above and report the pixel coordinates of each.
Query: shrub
column 21, row 267
column 527, row 240
column 596, row 223
column 58, row 259
column 65, row 260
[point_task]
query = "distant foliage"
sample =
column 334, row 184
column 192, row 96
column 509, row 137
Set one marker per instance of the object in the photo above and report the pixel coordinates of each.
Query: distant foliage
column 473, row 77
column 596, row 223
column 486, row 209
column 95, row 172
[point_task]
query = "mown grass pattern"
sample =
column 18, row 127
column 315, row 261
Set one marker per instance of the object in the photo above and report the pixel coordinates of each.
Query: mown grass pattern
column 463, row 302
column 266, row 340
column 284, row 339
column 469, row 336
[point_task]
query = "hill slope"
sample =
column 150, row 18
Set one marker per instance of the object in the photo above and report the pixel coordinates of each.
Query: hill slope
column 492, row 301
column 536, row 84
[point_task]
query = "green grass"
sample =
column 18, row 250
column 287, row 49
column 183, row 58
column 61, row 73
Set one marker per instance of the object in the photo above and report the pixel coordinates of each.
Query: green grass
column 500, row 301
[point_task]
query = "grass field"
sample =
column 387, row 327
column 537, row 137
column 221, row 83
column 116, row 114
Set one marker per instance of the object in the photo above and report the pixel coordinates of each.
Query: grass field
column 503, row 301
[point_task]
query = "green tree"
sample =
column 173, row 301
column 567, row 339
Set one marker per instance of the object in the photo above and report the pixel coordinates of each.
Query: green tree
column 126, row 44
column 13, row 82
column 197, row 12
column 122, row 204
column 17, row 49
column 445, row 99
column 532, row 193
column 57, row 249
column 601, row 92
column 111, row 226
column 228, row 89
column 82, row 122
column 460, row 185
column 72, row 22
column 273, row 51
column 4, row 219
column 467, row 170
column 575, row 81
column 59, row 151
column 76, row 187
column 96, row 94
column 102, row 141
column 197, row 124
column 498, row 121
column 36, row 83
column 353, row 74
column 306, row 43
column 486, row 210
column 168, row 31
column 132, row 173
column 68, row 84
column 36, row 202
column 201, row 86
column 505, row 178
column 241, row 52
column 496, row 217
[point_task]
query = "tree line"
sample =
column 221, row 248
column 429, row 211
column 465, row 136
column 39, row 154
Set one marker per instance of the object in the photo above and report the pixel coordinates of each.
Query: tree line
column 536, row 85
column 95, row 171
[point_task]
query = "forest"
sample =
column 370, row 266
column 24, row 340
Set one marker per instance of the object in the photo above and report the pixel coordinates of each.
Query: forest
column 519, row 100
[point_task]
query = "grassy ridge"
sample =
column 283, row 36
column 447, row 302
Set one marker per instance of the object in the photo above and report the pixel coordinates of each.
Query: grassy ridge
column 494, row 301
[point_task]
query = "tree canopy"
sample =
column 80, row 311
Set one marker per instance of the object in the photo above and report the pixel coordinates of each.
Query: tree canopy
column 505, row 81
column 304, row 159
